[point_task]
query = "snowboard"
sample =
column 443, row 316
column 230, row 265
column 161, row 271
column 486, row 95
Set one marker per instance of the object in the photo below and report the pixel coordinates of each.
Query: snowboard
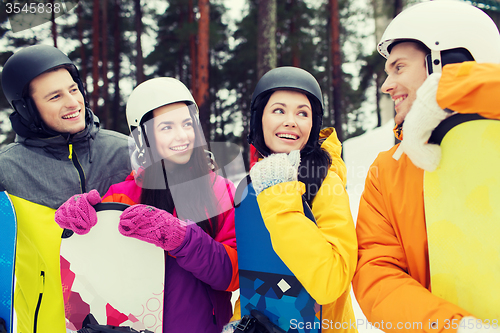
column 118, row 280
column 462, row 211
column 8, row 236
column 266, row 283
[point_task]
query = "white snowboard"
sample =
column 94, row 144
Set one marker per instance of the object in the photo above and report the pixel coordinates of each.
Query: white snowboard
column 117, row 279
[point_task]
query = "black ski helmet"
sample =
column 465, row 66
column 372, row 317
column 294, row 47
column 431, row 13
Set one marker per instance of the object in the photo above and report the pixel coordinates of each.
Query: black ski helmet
column 26, row 64
column 284, row 78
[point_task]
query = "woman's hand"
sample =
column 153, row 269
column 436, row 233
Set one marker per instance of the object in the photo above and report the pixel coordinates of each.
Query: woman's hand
column 275, row 169
column 152, row 225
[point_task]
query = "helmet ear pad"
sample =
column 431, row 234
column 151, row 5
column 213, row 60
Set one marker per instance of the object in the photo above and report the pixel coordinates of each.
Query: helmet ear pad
column 452, row 56
column 21, row 106
column 27, row 109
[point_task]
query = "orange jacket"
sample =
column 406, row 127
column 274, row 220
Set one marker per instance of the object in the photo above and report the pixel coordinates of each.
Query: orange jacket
column 470, row 87
column 392, row 280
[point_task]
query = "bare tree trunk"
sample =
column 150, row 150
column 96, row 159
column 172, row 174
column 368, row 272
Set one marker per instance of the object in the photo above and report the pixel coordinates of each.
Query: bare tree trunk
column 105, row 84
column 54, row 25
column 116, row 64
column 293, row 36
column 202, row 86
column 336, row 68
column 384, row 11
column 398, row 7
column 95, row 57
column 266, row 56
column 179, row 68
column 266, row 39
column 138, row 45
column 83, row 68
column 192, row 50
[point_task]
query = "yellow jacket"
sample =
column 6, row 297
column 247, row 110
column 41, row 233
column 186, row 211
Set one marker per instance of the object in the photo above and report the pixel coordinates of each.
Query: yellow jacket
column 322, row 256
column 40, row 175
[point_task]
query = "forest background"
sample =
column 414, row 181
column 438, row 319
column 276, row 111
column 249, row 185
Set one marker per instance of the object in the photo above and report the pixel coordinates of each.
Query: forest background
column 219, row 49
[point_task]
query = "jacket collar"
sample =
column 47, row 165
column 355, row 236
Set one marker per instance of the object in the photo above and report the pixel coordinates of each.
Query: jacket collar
column 57, row 145
column 54, row 139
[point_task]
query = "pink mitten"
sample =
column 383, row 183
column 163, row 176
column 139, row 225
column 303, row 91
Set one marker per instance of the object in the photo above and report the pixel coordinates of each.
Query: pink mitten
column 152, row 225
column 78, row 213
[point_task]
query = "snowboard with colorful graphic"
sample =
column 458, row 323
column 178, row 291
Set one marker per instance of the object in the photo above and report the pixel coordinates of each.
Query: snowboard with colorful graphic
column 462, row 210
column 117, row 279
column 266, row 283
column 8, row 236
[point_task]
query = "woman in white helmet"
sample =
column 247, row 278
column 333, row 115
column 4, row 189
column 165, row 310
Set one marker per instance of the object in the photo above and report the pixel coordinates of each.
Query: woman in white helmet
column 178, row 203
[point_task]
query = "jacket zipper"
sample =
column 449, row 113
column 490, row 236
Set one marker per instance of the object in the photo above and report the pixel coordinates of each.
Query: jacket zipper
column 39, row 303
column 74, row 158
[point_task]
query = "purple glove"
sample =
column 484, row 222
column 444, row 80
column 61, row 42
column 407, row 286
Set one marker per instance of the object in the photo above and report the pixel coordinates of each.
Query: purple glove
column 152, row 225
column 78, row 213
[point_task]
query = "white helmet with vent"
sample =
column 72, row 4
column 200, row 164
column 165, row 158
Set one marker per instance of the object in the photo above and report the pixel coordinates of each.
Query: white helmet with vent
column 446, row 27
column 152, row 94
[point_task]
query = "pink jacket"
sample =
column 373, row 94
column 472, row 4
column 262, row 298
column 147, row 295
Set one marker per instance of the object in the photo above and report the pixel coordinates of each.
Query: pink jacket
column 201, row 273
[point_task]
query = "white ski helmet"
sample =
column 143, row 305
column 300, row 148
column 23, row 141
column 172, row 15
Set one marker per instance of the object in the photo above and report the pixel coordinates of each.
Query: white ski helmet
column 446, row 27
column 152, row 94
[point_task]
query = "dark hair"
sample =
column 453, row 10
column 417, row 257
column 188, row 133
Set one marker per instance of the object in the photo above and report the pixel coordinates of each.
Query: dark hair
column 202, row 206
column 28, row 90
column 420, row 46
column 314, row 164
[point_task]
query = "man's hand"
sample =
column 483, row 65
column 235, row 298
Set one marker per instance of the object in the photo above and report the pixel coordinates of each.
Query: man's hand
column 78, row 213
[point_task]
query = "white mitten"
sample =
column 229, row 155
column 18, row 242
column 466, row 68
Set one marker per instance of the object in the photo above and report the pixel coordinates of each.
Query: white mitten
column 474, row 325
column 424, row 116
column 230, row 327
column 275, row 169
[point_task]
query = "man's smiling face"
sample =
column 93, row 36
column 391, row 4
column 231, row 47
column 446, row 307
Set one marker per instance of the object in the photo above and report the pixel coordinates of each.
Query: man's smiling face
column 406, row 72
column 59, row 101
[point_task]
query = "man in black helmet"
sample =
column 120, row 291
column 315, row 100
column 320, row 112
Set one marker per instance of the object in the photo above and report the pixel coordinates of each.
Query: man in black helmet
column 59, row 151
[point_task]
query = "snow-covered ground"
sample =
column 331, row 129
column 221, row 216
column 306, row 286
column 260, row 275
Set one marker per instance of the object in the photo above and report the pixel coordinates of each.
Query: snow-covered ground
column 359, row 153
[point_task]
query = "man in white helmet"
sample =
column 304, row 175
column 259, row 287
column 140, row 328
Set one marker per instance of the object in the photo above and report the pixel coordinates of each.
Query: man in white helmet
column 451, row 49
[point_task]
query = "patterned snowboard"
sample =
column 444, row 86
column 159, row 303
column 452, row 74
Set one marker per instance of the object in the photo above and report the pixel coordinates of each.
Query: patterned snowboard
column 462, row 209
column 117, row 279
column 266, row 283
column 7, row 258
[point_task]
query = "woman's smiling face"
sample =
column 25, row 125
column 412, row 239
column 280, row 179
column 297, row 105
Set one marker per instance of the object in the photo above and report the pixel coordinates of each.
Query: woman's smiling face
column 286, row 121
column 174, row 132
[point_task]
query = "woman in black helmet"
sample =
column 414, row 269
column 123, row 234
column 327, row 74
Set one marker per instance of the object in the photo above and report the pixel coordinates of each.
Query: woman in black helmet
column 301, row 159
